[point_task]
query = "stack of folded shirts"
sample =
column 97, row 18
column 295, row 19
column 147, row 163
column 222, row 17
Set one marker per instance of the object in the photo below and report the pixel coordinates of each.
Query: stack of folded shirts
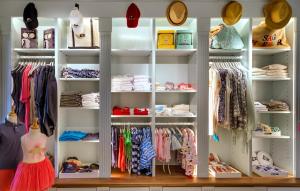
column 141, row 83
column 70, row 99
column 275, row 105
column 91, row 137
column 75, row 73
column 273, row 70
column 72, row 136
column 122, row 83
column 120, row 111
column 260, row 107
column 172, row 86
column 140, row 111
column 181, row 110
column 90, row 100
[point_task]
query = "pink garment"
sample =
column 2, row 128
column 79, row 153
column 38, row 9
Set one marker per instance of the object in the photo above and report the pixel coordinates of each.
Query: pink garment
column 25, row 95
column 160, row 149
column 167, row 145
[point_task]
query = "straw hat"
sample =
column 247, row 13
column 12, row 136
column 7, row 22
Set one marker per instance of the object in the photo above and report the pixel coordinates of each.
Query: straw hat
column 277, row 14
column 232, row 12
column 177, row 13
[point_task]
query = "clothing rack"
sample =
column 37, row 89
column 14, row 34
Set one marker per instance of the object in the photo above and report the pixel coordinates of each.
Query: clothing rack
column 225, row 57
column 36, row 57
column 126, row 123
column 174, row 124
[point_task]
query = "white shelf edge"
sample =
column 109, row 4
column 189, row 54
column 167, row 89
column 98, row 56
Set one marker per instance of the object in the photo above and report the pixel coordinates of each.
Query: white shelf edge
column 269, row 51
column 131, row 116
column 79, row 79
column 131, row 91
column 131, row 52
column 175, row 52
column 81, row 141
column 222, row 51
column 194, row 116
column 83, row 108
column 34, row 50
column 83, row 52
column 271, row 136
column 274, row 112
column 177, row 91
column 270, row 79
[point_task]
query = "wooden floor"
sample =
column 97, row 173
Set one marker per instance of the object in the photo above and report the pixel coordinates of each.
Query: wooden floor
column 175, row 180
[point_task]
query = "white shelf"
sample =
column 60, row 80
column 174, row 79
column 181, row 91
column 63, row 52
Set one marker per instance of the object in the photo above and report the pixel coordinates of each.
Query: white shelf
column 131, row 91
column 175, row 52
column 79, row 79
column 39, row 51
column 126, row 52
column 269, row 51
column 271, row 136
column 274, row 112
column 222, row 51
column 270, row 79
column 175, row 124
column 80, row 52
column 130, row 116
column 82, row 141
column 176, row 91
column 83, row 108
column 93, row 174
column 194, row 116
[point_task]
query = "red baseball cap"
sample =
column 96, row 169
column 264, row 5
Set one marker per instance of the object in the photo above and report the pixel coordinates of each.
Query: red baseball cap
column 133, row 15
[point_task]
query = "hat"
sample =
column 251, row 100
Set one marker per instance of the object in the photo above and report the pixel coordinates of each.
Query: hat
column 177, row 13
column 277, row 14
column 133, row 15
column 232, row 12
column 30, row 16
column 76, row 20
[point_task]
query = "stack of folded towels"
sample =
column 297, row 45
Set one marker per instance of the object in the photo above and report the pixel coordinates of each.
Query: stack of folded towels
column 76, row 73
column 273, row 70
column 122, row 83
column 260, row 107
column 141, row 83
column 70, row 99
column 275, row 105
column 90, row 100
column 181, row 110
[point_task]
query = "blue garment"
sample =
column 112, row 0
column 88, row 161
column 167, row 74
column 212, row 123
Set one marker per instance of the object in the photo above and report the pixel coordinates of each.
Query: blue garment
column 147, row 152
column 72, row 136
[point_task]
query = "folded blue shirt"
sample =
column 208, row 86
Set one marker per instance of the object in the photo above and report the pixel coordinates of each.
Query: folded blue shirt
column 72, row 136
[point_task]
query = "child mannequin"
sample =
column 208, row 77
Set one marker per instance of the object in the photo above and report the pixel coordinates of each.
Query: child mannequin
column 10, row 148
column 35, row 172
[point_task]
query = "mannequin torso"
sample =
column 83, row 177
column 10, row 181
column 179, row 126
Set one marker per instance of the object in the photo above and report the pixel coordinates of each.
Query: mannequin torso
column 33, row 146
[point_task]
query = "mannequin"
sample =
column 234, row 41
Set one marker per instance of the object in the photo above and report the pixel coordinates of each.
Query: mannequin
column 10, row 147
column 35, row 172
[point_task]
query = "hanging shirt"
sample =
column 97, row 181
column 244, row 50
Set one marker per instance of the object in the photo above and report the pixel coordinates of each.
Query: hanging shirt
column 10, row 144
column 25, row 95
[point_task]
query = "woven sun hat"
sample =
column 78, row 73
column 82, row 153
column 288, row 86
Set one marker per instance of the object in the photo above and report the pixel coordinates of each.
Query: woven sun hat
column 277, row 14
column 177, row 13
column 232, row 13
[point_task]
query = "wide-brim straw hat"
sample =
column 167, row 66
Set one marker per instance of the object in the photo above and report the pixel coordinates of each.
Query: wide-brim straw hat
column 177, row 13
column 277, row 14
column 232, row 13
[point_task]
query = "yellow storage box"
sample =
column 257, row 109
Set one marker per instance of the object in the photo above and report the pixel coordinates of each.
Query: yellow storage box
column 166, row 39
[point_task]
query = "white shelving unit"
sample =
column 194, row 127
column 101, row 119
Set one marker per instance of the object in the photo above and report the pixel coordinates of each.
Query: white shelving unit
column 281, row 148
column 76, row 118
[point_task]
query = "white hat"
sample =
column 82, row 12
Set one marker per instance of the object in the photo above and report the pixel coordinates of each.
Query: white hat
column 76, row 20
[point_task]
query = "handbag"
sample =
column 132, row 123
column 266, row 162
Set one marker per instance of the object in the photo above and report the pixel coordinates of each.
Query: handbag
column 89, row 38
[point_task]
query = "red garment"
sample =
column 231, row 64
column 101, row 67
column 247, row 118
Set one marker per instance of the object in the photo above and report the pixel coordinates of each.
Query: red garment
column 184, row 86
column 121, row 159
column 141, row 111
column 121, row 111
column 25, row 95
column 34, row 177
column 6, row 177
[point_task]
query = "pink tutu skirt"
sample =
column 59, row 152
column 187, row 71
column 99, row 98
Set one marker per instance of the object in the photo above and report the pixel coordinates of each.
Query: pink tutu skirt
column 33, row 177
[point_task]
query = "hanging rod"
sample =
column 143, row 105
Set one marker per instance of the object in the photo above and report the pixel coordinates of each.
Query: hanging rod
column 179, row 123
column 36, row 57
column 225, row 57
column 129, row 123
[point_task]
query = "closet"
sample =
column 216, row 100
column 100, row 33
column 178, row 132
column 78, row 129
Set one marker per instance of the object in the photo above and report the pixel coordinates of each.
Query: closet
column 135, row 52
